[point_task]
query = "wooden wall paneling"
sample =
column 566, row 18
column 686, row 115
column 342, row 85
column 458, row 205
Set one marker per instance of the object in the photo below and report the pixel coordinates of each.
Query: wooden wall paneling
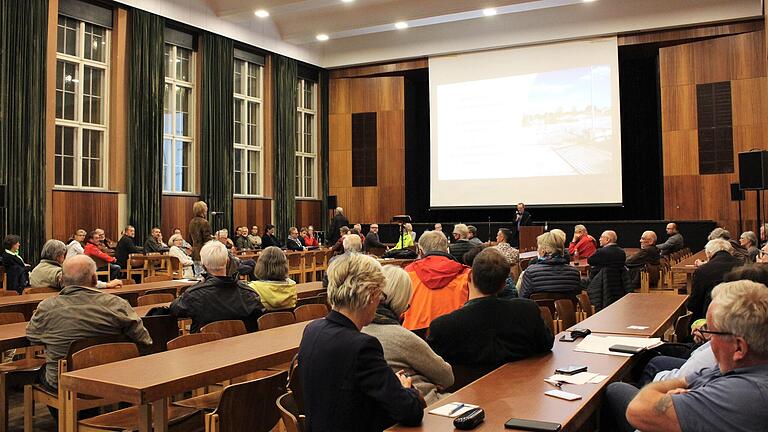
column 340, row 169
column 361, row 71
column 748, row 99
column 695, row 32
column 118, row 114
column 338, row 94
column 712, row 60
column 363, row 95
column 50, row 115
column 682, row 195
column 748, row 55
column 715, row 197
column 681, row 152
column 308, row 212
column 340, row 132
column 746, row 138
column 252, row 211
column 176, row 213
column 74, row 210
column 676, row 65
column 678, row 108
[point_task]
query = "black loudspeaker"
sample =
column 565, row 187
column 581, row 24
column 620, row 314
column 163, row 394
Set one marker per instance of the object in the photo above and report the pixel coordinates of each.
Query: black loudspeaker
column 753, row 170
column 736, row 193
column 332, row 202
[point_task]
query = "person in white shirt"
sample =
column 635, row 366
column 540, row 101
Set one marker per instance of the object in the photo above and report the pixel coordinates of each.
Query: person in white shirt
column 75, row 247
column 177, row 242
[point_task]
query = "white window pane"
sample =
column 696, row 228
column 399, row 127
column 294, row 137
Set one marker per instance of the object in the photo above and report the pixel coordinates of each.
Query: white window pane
column 95, row 45
column 309, row 100
column 183, row 57
column 167, row 167
column 169, row 61
column 182, row 111
column 238, row 81
column 93, row 89
column 238, row 171
column 66, row 86
column 309, row 130
column 238, row 115
column 254, row 169
column 167, row 115
column 253, row 80
column 66, row 33
column 253, row 123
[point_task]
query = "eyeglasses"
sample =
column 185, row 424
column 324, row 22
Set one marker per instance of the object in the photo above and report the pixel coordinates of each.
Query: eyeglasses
column 711, row 332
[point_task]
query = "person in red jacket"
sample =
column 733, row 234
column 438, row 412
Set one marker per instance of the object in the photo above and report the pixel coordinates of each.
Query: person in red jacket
column 93, row 240
column 308, row 236
column 583, row 245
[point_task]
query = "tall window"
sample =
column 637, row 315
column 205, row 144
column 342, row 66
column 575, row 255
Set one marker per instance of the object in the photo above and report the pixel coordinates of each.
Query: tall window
column 306, row 139
column 82, row 71
column 248, row 133
column 178, row 122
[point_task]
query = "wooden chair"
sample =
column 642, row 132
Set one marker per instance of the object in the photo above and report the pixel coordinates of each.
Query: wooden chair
column 171, row 291
column 548, row 299
column 179, row 418
column 192, row 339
column 296, row 266
column 275, row 319
column 11, row 318
column 682, row 328
column 15, row 373
column 39, row 290
column 309, row 312
column 586, row 309
column 226, row 328
column 248, row 406
column 175, row 270
column 137, row 265
column 162, row 328
column 157, row 278
column 565, row 313
column 289, row 412
column 310, row 266
column 150, row 299
column 546, row 316
column 99, row 264
column 321, row 263
column 6, row 293
column 128, row 281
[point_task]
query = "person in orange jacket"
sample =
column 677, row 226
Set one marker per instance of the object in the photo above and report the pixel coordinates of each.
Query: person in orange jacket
column 92, row 249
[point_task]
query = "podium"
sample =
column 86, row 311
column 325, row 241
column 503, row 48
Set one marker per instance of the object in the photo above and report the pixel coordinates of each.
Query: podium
column 527, row 237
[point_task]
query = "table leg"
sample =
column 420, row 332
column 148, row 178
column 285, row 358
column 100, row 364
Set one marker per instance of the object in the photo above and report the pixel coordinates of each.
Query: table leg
column 160, row 413
column 145, row 418
column 69, row 413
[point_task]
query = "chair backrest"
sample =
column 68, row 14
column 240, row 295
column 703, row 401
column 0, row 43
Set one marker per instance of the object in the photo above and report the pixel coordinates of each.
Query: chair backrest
column 81, row 344
column 176, row 269
column 192, row 339
column 546, row 316
column 226, row 328
column 290, row 413
column 157, row 278
column 548, row 299
column 275, row 319
column 683, row 327
column 128, row 281
column 5, row 293
column 39, row 290
column 585, row 303
column 162, row 328
column 251, row 405
column 566, row 312
column 150, row 299
column 11, row 318
column 295, row 260
column 171, row 291
column 309, row 312
column 102, row 354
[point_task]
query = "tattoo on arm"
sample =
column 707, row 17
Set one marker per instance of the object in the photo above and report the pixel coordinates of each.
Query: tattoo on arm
column 663, row 404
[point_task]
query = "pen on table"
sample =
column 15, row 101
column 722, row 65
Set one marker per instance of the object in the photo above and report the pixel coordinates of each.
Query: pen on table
column 458, row 407
column 557, row 384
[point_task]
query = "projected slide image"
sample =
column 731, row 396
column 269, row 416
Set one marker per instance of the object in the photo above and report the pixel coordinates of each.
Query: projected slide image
column 555, row 123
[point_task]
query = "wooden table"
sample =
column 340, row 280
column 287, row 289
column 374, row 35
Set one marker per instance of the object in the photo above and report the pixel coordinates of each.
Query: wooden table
column 654, row 311
column 687, row 267
column 517, row 390
column 309, row 289
column 150, row 380
column 395, row 261
column 132, row 292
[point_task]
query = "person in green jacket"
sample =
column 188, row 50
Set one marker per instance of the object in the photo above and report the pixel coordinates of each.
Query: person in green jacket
column 274, row 287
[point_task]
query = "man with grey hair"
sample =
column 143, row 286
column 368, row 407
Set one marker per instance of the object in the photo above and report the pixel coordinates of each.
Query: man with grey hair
column 80, row 311
column 48, row 273
column 719, row 262
column 737, row 250
column 647, row 258
column 461, row 244
column 728, row 397
column 219, row 296
column 338, row 221
column 582, row 245
column 472, row 237
column 748, row 240
column 439, row 283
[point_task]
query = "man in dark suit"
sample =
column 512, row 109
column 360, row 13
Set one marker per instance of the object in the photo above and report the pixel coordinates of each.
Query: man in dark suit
column 461, row 244
column 487, row 331
column 294, row 243
column 372, row 239
column 709, row 274
column 338, row 221
column 608, row 278
column 610, row 254
column 647, row 258
column 522, row 216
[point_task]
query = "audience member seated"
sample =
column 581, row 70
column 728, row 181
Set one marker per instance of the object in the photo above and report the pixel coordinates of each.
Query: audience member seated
column 583, row 245
column 104, row 242
column 439, row 282
column 48, row 273
column 185, row 246
column 222, row 236
column 487, row 331
column 177, row 242
column 737, row 250
column 728, row 397
column 439, row 228
column 93, row 251
column 403, row 350
column 219, row 297
column 472, row 236
column 126, row 246
column 154, row 242
column 661, row 368
column 708, row 275
column 338, row 221
column 407, row 237
column 338, row 247
column 358, row 229
column 77, row 244
column 748, row 240
column 269, row 238
column 17, row 273
column 272, row 284
column 310, row 239
column 243, row 241
column 674, row 243
column 552, row 273
column 503, row 245
column 345, row 378
column 350, row 245
column 461, row 244
column 608, row 277
column 647, row 258
column 254, row 236
column 372, row 239
column 294, row 242
column 79, row 312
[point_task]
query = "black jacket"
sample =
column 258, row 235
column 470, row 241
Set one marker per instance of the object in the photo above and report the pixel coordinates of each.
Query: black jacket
column 488, row 332
column 125, row 247
column 337, row 222
column 551, row 275
column 705, row 278
column 244, row 243
column 643, row 257
column 525, row 219
column 16, row 272
column 269, row 240
column 372, row 240
column 607, row 285
column 347, row 384
column 152, row 245
column 607, row 256
column 459, row 248
column 294, row 245
column 218, row 298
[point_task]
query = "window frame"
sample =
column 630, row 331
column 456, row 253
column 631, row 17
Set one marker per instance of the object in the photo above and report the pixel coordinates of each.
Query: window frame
column 246, row 190
column 173, row 82
column 77, row 123
column 301, row 112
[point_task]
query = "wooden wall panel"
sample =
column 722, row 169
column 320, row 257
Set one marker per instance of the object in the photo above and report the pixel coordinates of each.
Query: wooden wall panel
column 338, row 95
column 340, row 131
column 176, row 213
column 678, row 108
column 74, row 210
column 681, row 152
column 309, row 212
column 749, row 97
column 676, row 65
column 709, row 69
column 252, row 211
column 680, row 200
column 362, row 71
column 744, row 63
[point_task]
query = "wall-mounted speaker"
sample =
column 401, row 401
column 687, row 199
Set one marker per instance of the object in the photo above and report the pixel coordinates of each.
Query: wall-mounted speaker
column 736, row 193
column 332, row 204
column 753, row 170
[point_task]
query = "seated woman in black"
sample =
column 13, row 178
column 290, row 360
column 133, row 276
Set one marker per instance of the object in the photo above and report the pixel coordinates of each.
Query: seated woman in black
column 15, row 267
column 347, row 384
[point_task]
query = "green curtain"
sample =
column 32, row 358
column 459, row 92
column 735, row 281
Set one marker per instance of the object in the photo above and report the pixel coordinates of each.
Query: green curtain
column 216, row 143
column 285, row 144
column 324, row 107
column 23, row 37
column 145, row 133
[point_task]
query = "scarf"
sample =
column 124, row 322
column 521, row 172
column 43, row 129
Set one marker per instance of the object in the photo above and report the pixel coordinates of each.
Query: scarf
column 385, row 315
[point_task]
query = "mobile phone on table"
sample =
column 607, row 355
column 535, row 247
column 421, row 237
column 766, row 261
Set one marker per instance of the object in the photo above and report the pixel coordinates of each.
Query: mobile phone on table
column 532, row 425
column 563, row 395
column 571, row 369
column 627, row 349
column 567, row 338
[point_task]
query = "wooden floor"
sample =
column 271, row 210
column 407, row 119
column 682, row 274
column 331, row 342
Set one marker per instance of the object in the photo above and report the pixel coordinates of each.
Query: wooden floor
column 43, row 420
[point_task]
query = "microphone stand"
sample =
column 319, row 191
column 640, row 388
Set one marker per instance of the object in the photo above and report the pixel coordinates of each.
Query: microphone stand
column 489, row 230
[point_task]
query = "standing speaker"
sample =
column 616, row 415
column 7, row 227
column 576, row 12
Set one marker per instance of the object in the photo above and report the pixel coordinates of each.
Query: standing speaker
column 332, row 202
column 736, row 193
column 753, row 170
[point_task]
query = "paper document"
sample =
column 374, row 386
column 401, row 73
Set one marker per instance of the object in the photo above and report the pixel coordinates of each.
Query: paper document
column 600, row 344
column 447, row 410
column 637, row 327
column 579, row 378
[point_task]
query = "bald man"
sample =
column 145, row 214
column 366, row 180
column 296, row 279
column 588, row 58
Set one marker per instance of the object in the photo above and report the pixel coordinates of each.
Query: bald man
column 648, row 253
column 608, row 278
column 674, row 243
column 609, row 254
column 80, row 311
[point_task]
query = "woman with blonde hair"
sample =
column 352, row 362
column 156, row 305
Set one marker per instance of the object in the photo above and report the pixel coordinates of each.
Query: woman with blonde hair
column 403, row 350
column 199, row 232
column 177, row 242
column 552, row 273
column 276, row 290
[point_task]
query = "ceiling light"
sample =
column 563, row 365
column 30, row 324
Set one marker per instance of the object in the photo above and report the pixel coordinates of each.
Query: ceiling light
column 587, row 1
column 489, row 12
column 347, row 1
column 401, row 25
column 322, row 37
column 261, row 13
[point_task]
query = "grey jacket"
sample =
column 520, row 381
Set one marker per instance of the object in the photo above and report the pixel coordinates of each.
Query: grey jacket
column 673, row 244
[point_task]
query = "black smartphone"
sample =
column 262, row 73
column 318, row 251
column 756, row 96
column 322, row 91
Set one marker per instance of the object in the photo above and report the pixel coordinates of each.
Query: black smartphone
column 567, row 338
column 628, row 349
column 532, row 425
column 571, row 369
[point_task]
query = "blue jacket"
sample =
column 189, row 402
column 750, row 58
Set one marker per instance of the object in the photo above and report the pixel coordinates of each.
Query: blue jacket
column 551, row 275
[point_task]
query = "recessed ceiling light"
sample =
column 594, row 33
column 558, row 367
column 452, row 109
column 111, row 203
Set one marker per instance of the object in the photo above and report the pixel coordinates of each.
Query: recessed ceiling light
column 347, row 1
column 587, row 1
column 261, row 13
column 489, row 12
column 322, row 37
column 401, row 25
